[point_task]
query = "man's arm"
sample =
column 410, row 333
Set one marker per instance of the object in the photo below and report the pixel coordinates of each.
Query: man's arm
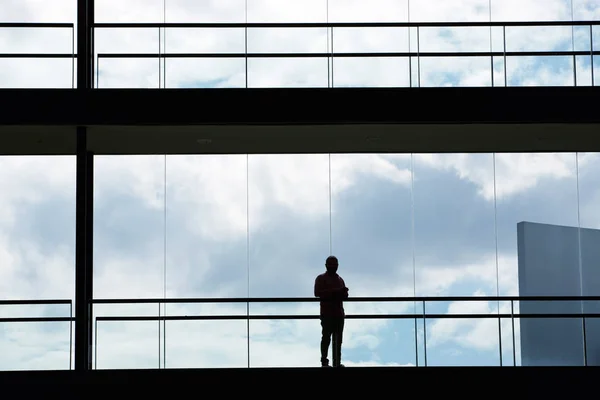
column 322, row 292
column 344, row 289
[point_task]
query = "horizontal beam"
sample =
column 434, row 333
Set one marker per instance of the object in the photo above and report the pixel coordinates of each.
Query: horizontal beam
column 309, row 106
column 309, row 139
column 284, row 121
column 145, row 25
column 440, row 381
column 334, row 54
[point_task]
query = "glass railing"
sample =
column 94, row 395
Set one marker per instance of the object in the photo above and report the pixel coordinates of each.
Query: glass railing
column 36, row 334
column 320, row 55
column 285, row 332
column 44, row 58
column 435, row 54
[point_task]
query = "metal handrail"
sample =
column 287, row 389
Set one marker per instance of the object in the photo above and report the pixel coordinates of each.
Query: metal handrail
column 342, row 24
column 350, row 299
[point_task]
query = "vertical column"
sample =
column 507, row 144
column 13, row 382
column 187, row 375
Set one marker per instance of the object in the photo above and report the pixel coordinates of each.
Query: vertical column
column 85, row 44
column 84, row 195
column 83, row 254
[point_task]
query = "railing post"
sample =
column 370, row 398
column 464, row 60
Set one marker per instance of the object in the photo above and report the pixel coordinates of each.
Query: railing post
column 424, row 335
column 585, row 362
column 512, row 319
column 592, row 52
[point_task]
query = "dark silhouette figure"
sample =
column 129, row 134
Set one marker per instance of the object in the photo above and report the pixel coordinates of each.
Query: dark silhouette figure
column 332, row 290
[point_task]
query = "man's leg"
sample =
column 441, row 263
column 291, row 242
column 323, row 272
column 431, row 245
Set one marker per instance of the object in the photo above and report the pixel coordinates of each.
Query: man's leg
column 326, row 333
column 338, row 335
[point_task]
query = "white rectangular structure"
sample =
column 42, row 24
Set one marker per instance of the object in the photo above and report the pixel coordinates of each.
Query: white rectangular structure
column 558, row 261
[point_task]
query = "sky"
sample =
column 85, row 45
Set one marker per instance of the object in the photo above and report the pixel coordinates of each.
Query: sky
column 262, row 225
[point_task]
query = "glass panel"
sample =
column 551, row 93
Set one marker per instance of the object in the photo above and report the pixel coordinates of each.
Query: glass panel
column 368, row 40
column 37, row 73
column 455, row 254
column 287, row 72
column 287, row 40
column 585, row 10
column 35, row 11
column 128, row 73
column 36, row 40
column 455, row 71
column 370, row 72
column 207, row 257
column 279, row 11
column 454, row 39
column 539, row 38
column 207, row 343
column 207, row 223
column 449, row 11
column 27, row 346
column 37, row 259
column 371, row 11
column 127, row 345
column 371, row 236
column 584, row 71
column 540, row 71
column 129, row 255
column 538, row 253
column 127, row 40
column 289, row 241
column 184, row 73
column 206, row 11
column 205, row 40
column 532, row 10
column 134, row 11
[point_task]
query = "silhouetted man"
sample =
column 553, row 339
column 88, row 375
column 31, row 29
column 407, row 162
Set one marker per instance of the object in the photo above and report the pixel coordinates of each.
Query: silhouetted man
column 332, row 290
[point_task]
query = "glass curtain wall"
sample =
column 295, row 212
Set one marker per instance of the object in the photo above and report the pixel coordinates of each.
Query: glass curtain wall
column 434, row 225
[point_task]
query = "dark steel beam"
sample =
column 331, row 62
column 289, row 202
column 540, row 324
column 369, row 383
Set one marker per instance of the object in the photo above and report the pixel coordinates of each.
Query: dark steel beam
column 310, row 106
column 81, row 298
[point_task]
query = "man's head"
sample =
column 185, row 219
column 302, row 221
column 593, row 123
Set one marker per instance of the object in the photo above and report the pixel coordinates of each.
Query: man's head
column 331, row 264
